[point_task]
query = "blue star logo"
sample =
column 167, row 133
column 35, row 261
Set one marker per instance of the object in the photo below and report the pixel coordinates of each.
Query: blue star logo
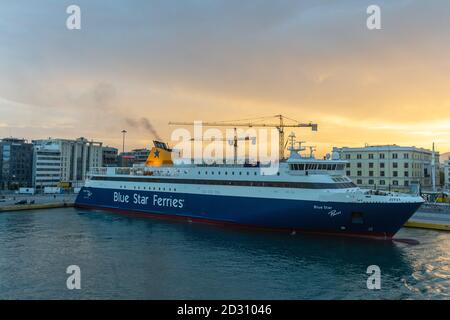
column 157, row 153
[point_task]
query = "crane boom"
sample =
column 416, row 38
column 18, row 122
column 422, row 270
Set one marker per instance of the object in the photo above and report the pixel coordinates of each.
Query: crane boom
column 280, row 127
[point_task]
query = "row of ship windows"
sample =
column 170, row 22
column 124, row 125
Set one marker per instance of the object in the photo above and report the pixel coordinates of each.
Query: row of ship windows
column 226, row 173
column 315, row 166
column 126, row 171
column 149, row 188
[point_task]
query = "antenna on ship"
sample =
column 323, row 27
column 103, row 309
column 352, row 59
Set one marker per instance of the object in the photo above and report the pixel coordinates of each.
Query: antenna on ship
column 311, row 151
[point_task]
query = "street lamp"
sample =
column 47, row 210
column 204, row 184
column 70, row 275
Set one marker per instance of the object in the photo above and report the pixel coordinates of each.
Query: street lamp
column 123, row 140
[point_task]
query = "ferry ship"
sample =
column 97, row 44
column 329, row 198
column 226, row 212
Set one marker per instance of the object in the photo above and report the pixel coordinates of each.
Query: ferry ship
column 305, row 195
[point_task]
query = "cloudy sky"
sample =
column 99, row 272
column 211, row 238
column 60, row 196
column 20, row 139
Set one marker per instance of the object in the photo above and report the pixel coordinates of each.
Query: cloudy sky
column 173, row 60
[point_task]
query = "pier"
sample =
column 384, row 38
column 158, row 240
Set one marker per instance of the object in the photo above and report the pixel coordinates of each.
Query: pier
column 21, row 202
column 434, row 216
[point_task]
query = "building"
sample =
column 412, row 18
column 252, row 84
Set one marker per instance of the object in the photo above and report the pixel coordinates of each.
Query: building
column 137, row 156
column 16, row 158
column 140, row 155
column 390, row 167
column 447, row 173
column 110, row 155
column 74, row 157
column 47, row 165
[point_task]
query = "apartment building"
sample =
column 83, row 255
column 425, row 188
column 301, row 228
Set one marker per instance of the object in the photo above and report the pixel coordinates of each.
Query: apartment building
column 16, row 157
column 64, row 161
column 390, row 167
column 447, row 173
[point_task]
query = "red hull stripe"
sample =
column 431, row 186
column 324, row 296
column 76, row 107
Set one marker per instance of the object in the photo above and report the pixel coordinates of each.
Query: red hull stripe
column 372, row 235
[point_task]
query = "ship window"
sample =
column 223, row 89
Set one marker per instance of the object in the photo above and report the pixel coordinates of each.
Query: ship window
column 334, row 167
column 357, row 218
column 248, row 173
column 301, row 166
column 226, row 173
column 255, row 173
column 240, row 173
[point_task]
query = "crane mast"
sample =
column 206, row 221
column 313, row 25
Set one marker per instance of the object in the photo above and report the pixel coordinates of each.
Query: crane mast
column 279, row 126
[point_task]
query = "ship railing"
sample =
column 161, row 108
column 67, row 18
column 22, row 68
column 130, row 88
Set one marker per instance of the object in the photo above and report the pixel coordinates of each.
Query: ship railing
column 97, row 171
column 127, row 171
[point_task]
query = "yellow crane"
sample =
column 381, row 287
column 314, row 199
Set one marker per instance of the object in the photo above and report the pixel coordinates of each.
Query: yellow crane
column 280, row 126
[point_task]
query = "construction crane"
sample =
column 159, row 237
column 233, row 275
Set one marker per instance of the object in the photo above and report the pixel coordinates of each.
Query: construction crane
column 280, row 126
column 233, row 142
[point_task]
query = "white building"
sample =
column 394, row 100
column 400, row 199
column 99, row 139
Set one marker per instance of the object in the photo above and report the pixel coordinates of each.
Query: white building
column 47, row 165
column 390, row 167
column 447, row 173
column 64, row 161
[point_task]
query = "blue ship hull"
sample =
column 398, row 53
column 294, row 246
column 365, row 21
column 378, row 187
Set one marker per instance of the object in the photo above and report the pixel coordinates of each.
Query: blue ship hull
column 379, row 220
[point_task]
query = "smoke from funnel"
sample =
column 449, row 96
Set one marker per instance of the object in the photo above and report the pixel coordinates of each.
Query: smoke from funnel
column 145, row 124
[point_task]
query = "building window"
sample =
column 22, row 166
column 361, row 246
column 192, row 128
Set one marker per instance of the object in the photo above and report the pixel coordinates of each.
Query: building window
column 370, row 181
column 395, row 182
column 370, row 155
column 370, row 164
column 347, row 156
column 359, row 173
column 406, row 165
column 394, row 156
column 406, row 183
column 382, row 182
column 370, row 173
column 395, row 173
column 405, row 156
column 381, row 155
column 394, row 165
column 359, row 181
column 348, row 173
column 381, row 164
column 358, row 156
column 406, row 174
column 347, row 165
column 359, row 165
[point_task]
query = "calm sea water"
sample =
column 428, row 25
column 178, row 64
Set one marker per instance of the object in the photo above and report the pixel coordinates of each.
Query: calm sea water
column 132, row 258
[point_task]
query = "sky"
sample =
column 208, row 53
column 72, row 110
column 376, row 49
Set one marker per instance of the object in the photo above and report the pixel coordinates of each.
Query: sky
column 214, row 60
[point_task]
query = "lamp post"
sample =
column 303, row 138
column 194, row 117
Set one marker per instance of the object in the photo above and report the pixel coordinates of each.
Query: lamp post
column 123, row 140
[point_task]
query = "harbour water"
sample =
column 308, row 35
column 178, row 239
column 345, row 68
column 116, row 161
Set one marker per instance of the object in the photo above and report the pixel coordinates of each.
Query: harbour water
column 135, row 258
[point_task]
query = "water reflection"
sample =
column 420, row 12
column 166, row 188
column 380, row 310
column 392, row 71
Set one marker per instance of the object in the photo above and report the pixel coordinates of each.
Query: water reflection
column 135, row 258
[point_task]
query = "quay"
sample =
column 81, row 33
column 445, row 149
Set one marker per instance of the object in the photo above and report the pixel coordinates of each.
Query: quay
column 11, row 202
column 434, row 216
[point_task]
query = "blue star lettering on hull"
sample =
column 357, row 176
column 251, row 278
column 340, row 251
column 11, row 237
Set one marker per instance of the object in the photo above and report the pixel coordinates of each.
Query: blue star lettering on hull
column 156, row 153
